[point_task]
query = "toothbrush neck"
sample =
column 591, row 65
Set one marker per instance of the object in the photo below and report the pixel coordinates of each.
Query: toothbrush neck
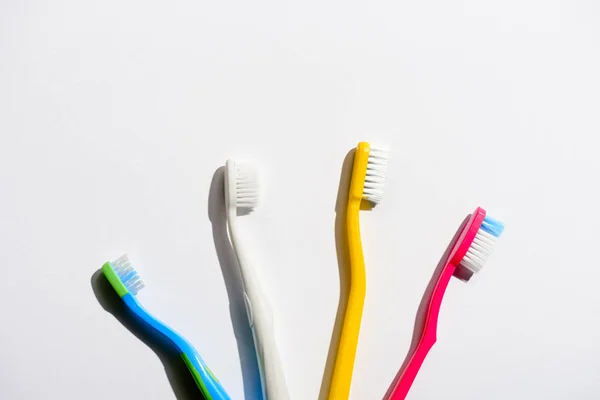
column 425, row 334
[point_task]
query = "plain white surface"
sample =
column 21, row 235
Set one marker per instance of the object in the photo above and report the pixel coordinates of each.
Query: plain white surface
column 115, row 115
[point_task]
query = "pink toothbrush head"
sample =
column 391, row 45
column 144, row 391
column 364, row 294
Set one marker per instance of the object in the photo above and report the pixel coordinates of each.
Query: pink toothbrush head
column 475, row 244
column 465, row 256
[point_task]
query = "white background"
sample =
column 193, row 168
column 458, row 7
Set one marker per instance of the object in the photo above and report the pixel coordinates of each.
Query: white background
column 115, row 115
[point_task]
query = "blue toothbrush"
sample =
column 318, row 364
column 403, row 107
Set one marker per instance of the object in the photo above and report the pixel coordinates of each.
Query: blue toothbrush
column 127, row 283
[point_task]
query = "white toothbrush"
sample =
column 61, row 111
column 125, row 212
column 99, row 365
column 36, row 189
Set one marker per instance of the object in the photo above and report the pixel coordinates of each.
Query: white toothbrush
column 241, row 195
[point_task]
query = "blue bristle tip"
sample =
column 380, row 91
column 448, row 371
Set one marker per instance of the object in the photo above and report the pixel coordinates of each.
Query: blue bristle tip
column 492, row 226
column 128, row 276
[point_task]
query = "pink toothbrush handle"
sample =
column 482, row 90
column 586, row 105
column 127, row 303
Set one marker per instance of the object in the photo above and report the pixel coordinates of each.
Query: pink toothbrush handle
column 407, row 374
column 425, row 333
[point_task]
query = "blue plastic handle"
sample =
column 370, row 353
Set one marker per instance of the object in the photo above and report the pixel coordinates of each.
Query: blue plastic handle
column 210, row 386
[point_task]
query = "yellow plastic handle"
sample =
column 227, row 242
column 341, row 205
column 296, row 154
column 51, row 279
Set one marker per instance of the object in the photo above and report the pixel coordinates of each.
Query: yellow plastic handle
column 346, row 353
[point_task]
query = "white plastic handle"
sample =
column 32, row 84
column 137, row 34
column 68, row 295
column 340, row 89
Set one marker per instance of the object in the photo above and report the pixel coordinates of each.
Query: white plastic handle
column 260, row 317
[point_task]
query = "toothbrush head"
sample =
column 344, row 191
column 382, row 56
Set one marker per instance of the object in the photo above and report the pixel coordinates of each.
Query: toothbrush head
column 368, row 173
column 375, row 177
column 122, row 276
column 241, row 187
column 476, row 242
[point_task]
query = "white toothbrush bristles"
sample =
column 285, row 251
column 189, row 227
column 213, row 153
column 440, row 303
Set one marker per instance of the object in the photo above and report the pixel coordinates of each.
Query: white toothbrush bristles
column 376, row 172
column 483, row 244
column 246, row 186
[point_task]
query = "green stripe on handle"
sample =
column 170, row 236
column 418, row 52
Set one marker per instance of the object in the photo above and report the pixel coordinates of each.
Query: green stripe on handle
column 197, row 377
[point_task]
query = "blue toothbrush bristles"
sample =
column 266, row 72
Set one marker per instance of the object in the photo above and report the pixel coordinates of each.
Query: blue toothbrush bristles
column 492, row 226
column 127, row 274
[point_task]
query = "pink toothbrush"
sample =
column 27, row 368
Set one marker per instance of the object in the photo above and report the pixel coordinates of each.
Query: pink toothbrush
column 466, row 255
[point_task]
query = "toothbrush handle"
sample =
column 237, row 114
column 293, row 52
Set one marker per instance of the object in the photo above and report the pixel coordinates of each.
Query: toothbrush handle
column 343, row 368
column 428, row 336
column 206, row 381
column 203, row 376
column 260, row 318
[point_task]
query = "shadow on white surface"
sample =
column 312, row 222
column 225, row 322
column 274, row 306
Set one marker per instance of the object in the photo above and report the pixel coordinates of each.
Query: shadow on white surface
column 341, row 247
column 233, row 283
column 181, row 381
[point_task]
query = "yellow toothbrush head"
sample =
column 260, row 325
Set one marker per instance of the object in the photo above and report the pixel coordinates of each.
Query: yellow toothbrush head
column 368, row 174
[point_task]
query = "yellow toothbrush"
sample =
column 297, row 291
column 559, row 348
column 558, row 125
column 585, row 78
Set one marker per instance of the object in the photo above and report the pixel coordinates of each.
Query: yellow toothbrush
column 366, row 184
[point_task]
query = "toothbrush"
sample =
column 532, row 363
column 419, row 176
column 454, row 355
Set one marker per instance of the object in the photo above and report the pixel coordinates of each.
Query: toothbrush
column 127, row 283
column 466, row 257
column 368, row 177
column 241, row 196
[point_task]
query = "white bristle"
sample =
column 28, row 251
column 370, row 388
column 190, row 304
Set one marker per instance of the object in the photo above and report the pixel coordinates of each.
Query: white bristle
column 127, row 274
column 376, row 171
column 246, row 186
column 479, row 251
